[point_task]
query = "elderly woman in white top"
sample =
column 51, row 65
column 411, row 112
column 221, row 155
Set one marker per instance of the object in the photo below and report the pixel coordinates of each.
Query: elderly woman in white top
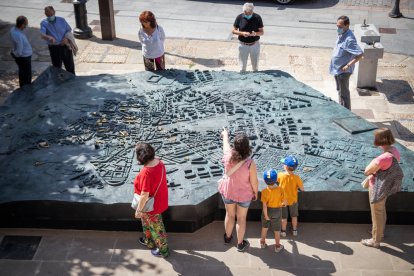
column 152, row 36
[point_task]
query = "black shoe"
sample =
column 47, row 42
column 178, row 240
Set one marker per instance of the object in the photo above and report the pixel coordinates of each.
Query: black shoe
column 142, row 241
column 148, row 245
column 243, row 246
column 226, row 239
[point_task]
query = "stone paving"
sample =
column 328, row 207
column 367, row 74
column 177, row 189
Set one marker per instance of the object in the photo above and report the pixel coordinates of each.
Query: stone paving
column 319, row 249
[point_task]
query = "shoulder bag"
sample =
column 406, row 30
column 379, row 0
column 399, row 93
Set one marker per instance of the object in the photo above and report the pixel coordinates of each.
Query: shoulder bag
column 227, row 175
column 387, row 182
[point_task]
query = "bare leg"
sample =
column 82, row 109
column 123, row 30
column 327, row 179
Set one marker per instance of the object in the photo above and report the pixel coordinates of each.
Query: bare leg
column 284, row 224
column 263, row 235
column 230, row 219
column 277, row 238
column 241, row 214
column 295, row 223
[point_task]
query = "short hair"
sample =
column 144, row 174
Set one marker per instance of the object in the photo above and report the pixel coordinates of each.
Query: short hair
column 49, row 8
column 241, row 149
column 20, row 21
column 345, row 19
column 148, row 16
column 145, row 153
column 290, row 168
column 383, row 137
column 248, row 7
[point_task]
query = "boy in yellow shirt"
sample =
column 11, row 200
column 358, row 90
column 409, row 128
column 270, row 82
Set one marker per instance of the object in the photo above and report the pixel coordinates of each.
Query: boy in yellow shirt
column 273, row 199
column 290, row 183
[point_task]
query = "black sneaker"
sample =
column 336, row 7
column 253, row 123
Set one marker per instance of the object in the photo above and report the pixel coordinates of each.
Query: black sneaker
column 243, row 246
column 226, row 239
column 149, row 245
column 142, row 241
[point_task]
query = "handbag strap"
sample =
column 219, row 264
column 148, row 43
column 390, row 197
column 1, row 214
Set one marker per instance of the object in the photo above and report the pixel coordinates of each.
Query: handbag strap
column 235, row 168
column 162, row 176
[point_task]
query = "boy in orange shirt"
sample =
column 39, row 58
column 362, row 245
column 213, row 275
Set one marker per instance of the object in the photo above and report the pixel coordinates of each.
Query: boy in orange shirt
column 273, row 199
column 290, row 183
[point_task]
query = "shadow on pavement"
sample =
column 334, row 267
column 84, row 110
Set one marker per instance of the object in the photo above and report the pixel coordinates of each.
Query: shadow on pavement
column 397, row 91
column 194, row 262
column 286, row 261
column 403, row 132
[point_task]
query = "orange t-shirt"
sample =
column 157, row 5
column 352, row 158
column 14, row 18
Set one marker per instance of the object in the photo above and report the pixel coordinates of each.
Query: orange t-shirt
column 273, row 198
column 290, row 184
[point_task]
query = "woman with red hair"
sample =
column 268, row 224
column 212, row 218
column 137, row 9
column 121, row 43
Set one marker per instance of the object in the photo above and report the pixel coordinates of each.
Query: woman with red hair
column 152, row 37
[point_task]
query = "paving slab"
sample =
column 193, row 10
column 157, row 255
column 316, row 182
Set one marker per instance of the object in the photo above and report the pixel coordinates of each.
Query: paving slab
column 337, row 251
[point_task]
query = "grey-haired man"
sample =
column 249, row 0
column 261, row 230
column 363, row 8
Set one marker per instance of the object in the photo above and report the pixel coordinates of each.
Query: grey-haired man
column 249, row 27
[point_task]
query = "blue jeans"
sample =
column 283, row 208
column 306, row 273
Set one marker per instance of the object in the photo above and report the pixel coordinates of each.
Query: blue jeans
column 245, row 204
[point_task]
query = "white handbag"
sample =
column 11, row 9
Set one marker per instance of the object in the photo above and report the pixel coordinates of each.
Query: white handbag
column 365, row 183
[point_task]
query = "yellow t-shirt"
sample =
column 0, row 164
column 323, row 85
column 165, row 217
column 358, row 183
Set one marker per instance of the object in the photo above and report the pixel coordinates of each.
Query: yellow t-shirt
column 290, row 184
column 273, row 198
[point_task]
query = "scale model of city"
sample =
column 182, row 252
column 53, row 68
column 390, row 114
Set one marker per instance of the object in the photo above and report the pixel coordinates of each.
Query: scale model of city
column 73, row 139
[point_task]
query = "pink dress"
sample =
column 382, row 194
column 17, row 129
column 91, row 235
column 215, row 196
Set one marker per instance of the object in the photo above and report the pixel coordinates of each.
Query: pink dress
column 384, row 161
column 238, row 187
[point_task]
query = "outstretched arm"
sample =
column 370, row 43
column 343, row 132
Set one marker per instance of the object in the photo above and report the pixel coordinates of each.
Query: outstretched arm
column 226, row 144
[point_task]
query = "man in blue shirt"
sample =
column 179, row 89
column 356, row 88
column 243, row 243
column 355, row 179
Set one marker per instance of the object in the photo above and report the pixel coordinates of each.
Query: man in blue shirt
column 345, row 54
column 54, row 29
column 22, row 50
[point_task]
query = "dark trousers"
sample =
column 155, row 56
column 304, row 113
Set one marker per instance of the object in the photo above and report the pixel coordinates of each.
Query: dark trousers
column 25, row 70
column 61, row 53
column 342, row 86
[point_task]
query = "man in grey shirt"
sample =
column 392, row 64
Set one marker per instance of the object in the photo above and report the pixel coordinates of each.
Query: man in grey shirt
column 22, row 51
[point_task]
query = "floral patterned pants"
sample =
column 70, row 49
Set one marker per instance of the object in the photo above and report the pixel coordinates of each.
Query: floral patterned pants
column 154, row 232
column 154, row 64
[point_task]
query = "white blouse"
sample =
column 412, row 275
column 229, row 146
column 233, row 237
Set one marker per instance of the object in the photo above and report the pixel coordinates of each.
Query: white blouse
column 152, row 45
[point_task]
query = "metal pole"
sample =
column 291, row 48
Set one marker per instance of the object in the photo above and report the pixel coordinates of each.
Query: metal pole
column 106, row 13
column 395, row 13
column 82, row 29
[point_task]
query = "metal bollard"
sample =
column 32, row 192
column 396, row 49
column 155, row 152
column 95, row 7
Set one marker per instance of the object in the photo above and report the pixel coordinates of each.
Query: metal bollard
column 82, row 29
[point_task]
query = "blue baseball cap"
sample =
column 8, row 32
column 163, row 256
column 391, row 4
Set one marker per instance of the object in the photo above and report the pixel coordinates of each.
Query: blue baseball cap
column 290, row 161
column 270, row 176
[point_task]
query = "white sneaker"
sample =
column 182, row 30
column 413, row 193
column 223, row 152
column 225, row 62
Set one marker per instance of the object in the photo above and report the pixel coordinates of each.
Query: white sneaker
column 278, row 249
column 283, row 234
column 295, row 232
column 263, row 245
column 370, row 243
